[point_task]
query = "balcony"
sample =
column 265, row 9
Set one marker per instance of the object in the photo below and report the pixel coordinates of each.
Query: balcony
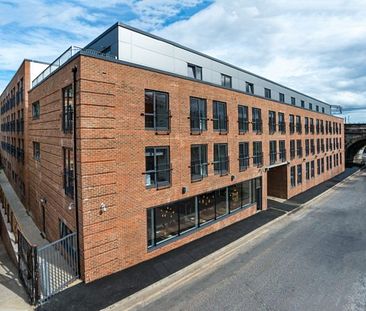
column 221, row 167
column 243, row 163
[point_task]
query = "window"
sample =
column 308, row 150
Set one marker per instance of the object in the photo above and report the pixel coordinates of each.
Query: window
column 292, row 149
column 249, row 87
column 322, row 165
column 302, row 104
column 157, row 110
column 312, row 146
column 257, row 120
column 36, row 110
column 168, row 221
column 194, row 71
column 158, row 169
column 318, row 167
column 63, row 229
column 322, row 145
column 257, row 153
column 198, row 162
column 306, row 125
column 221, row 159
column 243, row 118
column 281, row 123
column 272, row 152
column 225, row 80
column 317, row 108
column 292, row 124
column 243, row 156
column 206, row 207
column 282, row 150
column 198, row 114
column 292, row 176
column 272, row 121
column 219, row 117
column 311, row 125
column 267, row 93
column 299, row 174
column 310, row 106
column 293, row 101
column 307, row 170
column 107, row 50
column 307, row 147
column 322, row 126
column 36, row 151
column 298, row 125
column 282, row 97
column 318, row 145
column 317, row 126
column 299, row 148
column 323, row 110
column 67, row 109
column 68, row 155
column 312, row 164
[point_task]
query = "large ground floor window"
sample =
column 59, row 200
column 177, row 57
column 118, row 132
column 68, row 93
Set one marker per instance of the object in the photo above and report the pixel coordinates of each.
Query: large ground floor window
column 174, row 219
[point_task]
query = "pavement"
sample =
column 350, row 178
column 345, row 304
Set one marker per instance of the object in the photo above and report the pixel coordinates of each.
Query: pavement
column 112, row 289
column 313, row 259
column 12, row 294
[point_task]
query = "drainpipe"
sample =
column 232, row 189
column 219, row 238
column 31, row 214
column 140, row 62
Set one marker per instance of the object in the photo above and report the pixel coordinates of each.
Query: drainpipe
column 76, row 203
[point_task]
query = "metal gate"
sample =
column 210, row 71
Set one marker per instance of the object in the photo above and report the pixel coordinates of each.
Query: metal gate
column 57, row 266
column 27, row 267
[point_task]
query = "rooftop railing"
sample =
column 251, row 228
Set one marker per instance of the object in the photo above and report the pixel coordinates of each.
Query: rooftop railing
column 65, row 56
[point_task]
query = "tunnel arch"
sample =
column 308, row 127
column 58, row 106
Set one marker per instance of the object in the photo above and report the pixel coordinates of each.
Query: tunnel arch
column 353, row 148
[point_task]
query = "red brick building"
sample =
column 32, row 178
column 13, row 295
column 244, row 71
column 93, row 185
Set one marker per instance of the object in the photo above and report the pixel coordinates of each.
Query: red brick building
column 142, row 145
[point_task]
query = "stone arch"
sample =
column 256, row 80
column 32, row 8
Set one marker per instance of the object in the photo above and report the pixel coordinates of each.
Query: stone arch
column 353, row 148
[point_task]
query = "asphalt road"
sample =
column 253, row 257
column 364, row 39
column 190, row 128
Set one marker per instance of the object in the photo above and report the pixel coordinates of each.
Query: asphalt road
column 313, row 260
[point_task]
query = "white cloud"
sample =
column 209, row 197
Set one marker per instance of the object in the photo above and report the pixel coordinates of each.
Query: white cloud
column 316, row 47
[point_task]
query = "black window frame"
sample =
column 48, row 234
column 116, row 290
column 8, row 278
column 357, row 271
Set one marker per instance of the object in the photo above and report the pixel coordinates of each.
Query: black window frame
column 257, row 120
column 36, row 151
column 196, row 71
column 271, row 121
column 36, row 110
column 281, row 97
column 68, row 162
column 201, row 118
column 249, row 87
column 226, row 81
column 243, row 156
column 167, row 169
column 281, row 123
column 293, row 176
column 243, row 119
column 272, row 152
column 220, row 121
column 257, row 153
column 299, row 174
column 221, row 164
column 67, row 109
column 201, row 163
column 267, row 93
column 154, row 115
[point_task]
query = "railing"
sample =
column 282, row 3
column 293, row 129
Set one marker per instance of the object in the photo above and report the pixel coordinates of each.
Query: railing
column 272, row 127
column 65, row 56
column 282, row 127
column 243, row 163
column 258, row 159
column 198, row 123
column 198, row 171
column 159, row 178
column 243, row 125
column 220, row 124
column 257, row 126
column 221, row 167
column 57, row 266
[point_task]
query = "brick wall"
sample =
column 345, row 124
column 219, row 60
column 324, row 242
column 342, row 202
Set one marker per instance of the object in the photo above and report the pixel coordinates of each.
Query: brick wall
column 111, row 157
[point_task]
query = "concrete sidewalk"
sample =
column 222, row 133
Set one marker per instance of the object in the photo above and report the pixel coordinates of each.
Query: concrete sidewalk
column 111, row 289
column 12, row 293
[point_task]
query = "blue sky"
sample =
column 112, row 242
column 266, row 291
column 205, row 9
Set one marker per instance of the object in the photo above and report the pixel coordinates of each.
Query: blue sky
column 317, row 47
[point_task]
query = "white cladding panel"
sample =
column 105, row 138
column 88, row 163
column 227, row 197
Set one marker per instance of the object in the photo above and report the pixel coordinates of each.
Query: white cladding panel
column 142, row 49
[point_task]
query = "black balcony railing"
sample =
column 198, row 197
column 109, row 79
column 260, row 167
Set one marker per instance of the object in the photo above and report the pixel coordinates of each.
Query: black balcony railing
column 292, row 128
column 221, row 167
column 257, row 126
column 282, row 155
column 243, row 125
column 198, row 171
column 272, row 157
column 160, row 177
column 258, row 159
column 272, row 127
column 243, row 163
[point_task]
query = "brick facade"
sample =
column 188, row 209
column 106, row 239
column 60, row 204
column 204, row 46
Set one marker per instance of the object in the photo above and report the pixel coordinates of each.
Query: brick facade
column 14, row 109
column 111, row 140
